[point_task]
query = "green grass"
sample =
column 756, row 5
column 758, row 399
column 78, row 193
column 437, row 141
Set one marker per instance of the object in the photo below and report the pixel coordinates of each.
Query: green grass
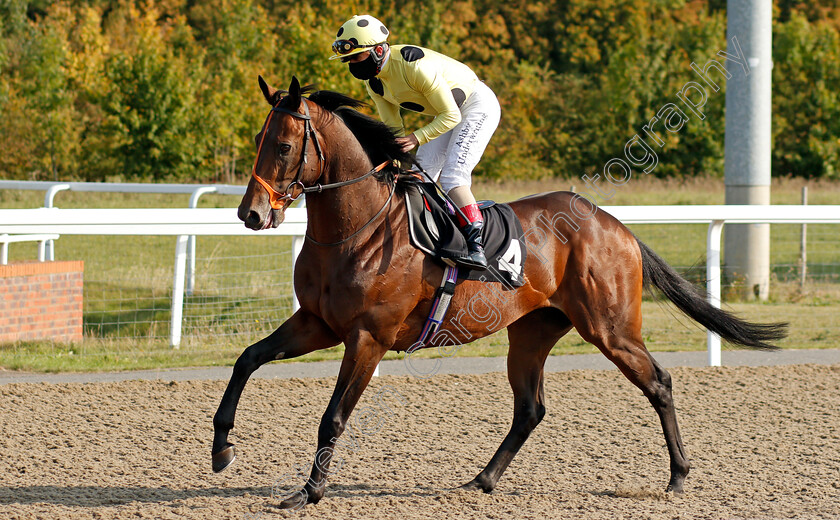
column 814, row 326
column 128, row 279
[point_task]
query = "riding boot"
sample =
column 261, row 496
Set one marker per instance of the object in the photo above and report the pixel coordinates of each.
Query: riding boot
column 475, row 258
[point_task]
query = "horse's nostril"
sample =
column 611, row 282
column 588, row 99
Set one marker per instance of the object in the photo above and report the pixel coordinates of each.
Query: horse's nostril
column 253, row 218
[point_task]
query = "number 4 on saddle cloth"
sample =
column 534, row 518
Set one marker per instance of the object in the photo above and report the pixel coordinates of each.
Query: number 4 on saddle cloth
column 433, row 230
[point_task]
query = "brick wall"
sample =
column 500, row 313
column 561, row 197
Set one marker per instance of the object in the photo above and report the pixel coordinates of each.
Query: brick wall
column 41, row 300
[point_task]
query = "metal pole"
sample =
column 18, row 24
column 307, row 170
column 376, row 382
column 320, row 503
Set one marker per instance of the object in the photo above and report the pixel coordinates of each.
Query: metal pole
column 191, row 246
column 49, row 196
column 747, row 163
column 49, row 199
column 803, row 249
column 713, row 286
column 178, row 283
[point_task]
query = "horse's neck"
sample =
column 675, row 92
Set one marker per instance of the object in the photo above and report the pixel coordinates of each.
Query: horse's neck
column 337, row 213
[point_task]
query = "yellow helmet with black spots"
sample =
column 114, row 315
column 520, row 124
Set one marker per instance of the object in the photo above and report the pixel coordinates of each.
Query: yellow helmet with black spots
column 357, row 35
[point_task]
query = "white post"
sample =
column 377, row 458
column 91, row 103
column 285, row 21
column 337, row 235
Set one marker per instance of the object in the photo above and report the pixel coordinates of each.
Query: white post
column 191, row 246
column 42, row 250
column 4, row 250
column 49, row 198
column 178, row 283
column 297, row 245
column 713, row 285
column 803, row 244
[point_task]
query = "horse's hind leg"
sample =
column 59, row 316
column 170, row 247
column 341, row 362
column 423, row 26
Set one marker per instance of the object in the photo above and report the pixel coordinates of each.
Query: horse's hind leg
column 531, row 339
column 619, row 338
column 299, row 335
column 663, row 402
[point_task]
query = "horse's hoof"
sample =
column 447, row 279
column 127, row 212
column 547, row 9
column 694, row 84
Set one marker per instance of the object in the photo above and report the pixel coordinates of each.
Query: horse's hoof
column 301, row 499
column 472, row 485
column 476, row 485
column 675, row 486
column 294, row 502
column 223, row 458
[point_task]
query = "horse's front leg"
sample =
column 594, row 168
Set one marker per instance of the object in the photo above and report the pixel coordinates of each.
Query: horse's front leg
column 301, row 334
column 361, row 357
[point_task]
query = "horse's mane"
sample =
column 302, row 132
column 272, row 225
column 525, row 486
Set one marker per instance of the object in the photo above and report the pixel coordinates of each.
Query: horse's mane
column 378, row 140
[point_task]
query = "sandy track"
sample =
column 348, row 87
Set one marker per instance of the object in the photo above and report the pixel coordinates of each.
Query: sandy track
column 764, row 443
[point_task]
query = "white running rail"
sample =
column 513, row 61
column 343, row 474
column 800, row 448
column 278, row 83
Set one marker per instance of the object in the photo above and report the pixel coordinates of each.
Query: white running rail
column 6, row 239
column 195, row 191
column 180, row 222
column 201, row 221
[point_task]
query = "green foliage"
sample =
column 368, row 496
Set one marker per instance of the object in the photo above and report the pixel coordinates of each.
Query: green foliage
column 806, row 124
column 38, row 123
column 166, row 89
column 151, row 108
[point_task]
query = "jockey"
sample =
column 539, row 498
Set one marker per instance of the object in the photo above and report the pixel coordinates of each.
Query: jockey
column 465, row 110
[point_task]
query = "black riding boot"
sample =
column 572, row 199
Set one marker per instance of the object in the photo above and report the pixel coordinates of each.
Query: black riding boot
column 475, row 259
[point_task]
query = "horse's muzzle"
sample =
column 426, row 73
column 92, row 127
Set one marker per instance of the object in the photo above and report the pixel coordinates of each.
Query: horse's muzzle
column 253, row 219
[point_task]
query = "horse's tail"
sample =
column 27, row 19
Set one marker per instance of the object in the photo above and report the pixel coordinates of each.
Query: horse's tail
column 690, row 300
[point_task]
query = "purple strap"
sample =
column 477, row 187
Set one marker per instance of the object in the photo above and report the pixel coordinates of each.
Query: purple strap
column 442, row 300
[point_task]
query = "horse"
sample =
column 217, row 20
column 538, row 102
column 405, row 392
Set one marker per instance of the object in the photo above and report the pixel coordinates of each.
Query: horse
column 360, row 281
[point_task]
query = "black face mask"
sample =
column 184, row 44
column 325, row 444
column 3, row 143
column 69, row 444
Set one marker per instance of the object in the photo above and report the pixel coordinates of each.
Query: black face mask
column 365, row 69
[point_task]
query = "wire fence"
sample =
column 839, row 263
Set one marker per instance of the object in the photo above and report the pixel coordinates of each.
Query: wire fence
column 243, row 289
column 808, row 302
column 684, row 247
column 233, row 303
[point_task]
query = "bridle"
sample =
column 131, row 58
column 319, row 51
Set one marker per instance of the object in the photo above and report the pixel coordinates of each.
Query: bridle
column 279, row 200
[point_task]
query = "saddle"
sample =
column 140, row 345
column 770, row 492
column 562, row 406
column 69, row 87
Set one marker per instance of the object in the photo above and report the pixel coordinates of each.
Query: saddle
column 433, row 230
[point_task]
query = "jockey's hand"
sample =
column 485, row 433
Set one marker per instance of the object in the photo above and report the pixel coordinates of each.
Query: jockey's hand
column 408, row 143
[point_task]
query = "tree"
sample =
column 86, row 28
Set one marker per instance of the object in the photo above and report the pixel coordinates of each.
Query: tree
column 153, row 116
column 166, row 89
column 806, row 103
column 39, row 114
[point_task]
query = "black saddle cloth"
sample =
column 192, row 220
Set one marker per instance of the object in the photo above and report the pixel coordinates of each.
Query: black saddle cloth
column 433, row 230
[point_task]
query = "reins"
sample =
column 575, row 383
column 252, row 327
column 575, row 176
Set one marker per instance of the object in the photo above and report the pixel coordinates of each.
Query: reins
column 369, row 222
column 277, row 200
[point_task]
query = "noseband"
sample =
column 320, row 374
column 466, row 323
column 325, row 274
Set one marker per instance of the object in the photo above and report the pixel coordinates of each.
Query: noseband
column 296, row 188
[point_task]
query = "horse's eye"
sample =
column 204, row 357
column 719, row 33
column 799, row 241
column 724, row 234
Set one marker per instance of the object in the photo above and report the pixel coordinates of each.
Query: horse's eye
column 284, row 148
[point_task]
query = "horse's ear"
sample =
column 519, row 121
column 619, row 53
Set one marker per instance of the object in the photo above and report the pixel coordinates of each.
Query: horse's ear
column 267, row 90
column 294, row 92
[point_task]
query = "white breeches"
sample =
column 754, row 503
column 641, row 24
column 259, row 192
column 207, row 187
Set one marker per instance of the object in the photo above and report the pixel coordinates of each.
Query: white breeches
column 453, row 155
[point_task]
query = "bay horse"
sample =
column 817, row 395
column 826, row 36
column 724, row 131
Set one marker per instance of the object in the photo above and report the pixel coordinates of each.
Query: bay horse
column 361, row 282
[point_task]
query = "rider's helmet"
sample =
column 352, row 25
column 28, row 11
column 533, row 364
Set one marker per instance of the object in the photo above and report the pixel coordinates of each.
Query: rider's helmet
column 359, row 34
